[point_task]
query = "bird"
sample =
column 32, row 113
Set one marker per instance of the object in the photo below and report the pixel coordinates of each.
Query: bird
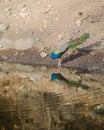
column 59, row 78
column 59, row 51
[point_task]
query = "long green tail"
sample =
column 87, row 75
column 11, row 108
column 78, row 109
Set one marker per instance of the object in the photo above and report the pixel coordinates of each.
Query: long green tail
column 79, row 40
column 77, row 84
column 72, row 82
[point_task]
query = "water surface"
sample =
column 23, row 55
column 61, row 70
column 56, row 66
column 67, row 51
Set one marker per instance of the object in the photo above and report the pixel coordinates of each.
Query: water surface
column 31, row 100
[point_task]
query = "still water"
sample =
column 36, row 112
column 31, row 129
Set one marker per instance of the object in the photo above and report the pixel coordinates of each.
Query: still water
column 41, row 98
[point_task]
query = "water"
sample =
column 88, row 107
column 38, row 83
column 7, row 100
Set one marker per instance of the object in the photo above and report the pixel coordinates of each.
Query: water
column 31, row 100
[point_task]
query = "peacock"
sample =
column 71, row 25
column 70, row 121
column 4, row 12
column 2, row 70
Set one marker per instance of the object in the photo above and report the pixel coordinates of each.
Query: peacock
column 59, row 78
column 59, row 51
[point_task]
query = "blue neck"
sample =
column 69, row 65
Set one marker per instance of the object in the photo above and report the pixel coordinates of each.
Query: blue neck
column 55, row 56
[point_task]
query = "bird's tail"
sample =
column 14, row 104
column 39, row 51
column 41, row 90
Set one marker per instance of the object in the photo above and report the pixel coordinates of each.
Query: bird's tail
column 77, row 84
column 79, row 40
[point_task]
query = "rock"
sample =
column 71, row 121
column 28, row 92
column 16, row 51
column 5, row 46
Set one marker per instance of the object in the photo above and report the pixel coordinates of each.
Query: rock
column 5, row 57
column 43, row 54
column 22, row 44
column 3, row 28
column 1, row 46
column 23, row 9
column 77, row 31
column 56, row 19
column 6, row 43
column 60, row 37
column 37, row 39
column 78, row 22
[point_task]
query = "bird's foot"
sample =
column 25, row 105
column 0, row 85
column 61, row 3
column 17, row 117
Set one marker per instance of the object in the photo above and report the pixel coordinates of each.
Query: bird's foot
column 59, row 63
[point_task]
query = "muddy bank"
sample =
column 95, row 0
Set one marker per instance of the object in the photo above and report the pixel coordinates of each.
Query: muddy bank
column 84, row 59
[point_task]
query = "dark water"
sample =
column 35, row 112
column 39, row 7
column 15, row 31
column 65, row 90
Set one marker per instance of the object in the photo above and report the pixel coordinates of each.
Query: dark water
column 62, row 105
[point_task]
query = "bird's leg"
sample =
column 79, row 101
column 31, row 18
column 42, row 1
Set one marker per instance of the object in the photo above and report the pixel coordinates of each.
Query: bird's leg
column 59, row 63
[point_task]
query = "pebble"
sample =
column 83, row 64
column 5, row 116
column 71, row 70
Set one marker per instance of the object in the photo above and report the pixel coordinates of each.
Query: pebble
column 76, row 31
column 5, row 57
column 56, row 19
column 78, row 22
column 23, row 9
column 37, row 39
column 1, row 46
column 60, row 37
column 43, row 54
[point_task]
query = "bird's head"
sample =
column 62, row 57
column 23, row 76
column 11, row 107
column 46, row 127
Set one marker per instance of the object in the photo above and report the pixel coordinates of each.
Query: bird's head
column 54, row 76
column 55, row 54
column 57, row 77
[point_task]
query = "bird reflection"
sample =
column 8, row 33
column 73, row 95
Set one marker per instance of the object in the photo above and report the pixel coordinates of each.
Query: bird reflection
column 59, row 78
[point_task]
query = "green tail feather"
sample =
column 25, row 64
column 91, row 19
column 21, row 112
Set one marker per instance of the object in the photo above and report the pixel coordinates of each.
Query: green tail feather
column 79, row 40
column 77, row 84
column 72, row 82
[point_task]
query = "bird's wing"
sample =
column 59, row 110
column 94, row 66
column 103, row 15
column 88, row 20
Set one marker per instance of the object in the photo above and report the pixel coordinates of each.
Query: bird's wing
column 72, row 44
column 63, row 47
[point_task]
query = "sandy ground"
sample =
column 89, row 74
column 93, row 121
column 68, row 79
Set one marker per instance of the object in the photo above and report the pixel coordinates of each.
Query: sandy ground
column 45, row 24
